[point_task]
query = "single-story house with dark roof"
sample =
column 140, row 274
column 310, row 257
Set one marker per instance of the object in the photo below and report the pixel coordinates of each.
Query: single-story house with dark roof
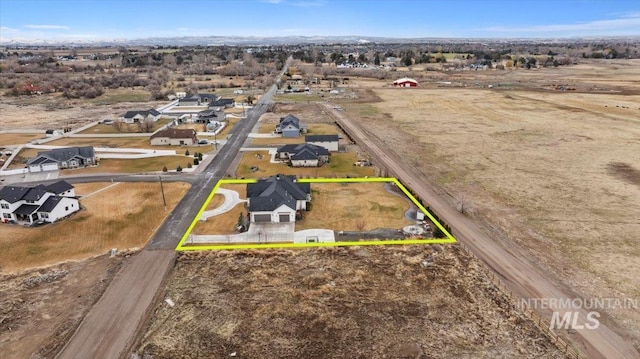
column 223, row 102
column 68, row 157
column 290, row 126
column 136, row 116
column 209, row 115
column 201, row 99
column 174, row 137
column 330, row 142
column 303, row 155
column 277, row 199
column 39, row 203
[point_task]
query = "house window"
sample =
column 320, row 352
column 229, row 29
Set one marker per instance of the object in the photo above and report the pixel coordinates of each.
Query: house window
column 44, row 215
column 6, row 215
column 66, row 208
column 4, row 205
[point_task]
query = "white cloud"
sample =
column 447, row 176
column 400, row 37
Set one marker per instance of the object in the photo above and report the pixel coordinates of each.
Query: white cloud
column 8, row 29
column 629, row 22
column 47, row 27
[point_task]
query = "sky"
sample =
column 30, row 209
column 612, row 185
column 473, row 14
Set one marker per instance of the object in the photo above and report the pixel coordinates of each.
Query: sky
column 90, row 20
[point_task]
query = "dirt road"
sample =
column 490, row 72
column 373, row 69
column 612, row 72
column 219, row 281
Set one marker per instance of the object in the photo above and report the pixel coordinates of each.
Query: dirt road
column 518, row 274
column 107, row 329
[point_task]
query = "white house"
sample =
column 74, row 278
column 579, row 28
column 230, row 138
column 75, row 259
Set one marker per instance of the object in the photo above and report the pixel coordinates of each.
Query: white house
column 136, row 116
column 174, row 137
column 41, row 203
column 277, row 199
column 330, row 142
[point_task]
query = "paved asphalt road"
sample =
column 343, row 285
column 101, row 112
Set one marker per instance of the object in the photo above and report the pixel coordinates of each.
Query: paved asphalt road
column 110, row 327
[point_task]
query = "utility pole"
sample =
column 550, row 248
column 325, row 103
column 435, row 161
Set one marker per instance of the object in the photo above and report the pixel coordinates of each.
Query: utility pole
column 162, row 190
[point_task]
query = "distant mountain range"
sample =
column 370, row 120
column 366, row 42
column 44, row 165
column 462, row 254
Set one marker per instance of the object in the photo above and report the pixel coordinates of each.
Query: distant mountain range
column 288, row 40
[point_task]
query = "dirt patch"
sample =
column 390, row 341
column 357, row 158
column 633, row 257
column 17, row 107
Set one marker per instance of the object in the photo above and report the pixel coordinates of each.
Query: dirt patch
column 40, row 308
column 375, row 302
column 624, row 172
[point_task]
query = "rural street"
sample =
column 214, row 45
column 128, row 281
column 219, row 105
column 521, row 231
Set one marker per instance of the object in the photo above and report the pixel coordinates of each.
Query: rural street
column 110, row 327
column 518, row 274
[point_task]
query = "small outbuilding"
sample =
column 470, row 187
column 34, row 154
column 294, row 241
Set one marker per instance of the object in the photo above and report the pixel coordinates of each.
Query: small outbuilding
column 405, row 82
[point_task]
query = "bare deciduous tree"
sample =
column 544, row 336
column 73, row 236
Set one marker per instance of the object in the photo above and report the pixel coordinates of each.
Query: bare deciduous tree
column 118, row 124
column 145, row 126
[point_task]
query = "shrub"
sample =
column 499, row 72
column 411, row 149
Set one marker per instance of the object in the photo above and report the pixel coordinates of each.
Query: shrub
column 186, row 153
column 179, row 169
column 196, row 161
column 164, row 169
column 189, row 165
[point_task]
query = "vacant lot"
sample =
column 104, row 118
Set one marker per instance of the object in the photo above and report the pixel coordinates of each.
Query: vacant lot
column 553, row 172
column 41, row 308
column 354, row 207
column 340, row 165
column 122, row 216
column 125, row 128
column 8, row 139
column 378, row 302
column 55, row 112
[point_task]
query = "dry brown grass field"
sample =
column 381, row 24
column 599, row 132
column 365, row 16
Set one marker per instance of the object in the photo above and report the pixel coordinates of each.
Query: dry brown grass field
column 116, row 165
column 126, row 128
column 340, row 165
column 55, row 112
column 360, row 302
column 354, row 207
column 123, row 216
column 557, row 173
column 8, row 139
column 142, row 142
column 224, row 223
column 41, row 308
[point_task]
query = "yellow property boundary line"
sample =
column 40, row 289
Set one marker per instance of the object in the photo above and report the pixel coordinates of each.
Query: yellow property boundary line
column 449, row 239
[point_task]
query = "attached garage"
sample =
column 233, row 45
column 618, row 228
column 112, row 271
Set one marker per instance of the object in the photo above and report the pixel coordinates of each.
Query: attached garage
column 284, row 217
column 261, row 218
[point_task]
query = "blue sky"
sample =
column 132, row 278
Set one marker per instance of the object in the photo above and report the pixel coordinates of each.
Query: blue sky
column 133, row 19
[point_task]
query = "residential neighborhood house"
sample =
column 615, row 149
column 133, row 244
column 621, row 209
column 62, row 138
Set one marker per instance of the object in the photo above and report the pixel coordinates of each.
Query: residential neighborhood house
column 290, row 126
column 136, row 116
column 68, row 157
column 223, row 103
column 37, row 204
column 303, row 155
column 330, row 142
column 174, row 137
column 277, row 199
column 201, row 99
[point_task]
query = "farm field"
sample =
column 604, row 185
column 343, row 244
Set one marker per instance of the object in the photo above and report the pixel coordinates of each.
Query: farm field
column 553, row 172
column 122, row 216
column 356, row 302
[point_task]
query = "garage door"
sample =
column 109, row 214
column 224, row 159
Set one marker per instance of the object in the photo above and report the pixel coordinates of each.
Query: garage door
column 262, row 217
column 284, row 217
